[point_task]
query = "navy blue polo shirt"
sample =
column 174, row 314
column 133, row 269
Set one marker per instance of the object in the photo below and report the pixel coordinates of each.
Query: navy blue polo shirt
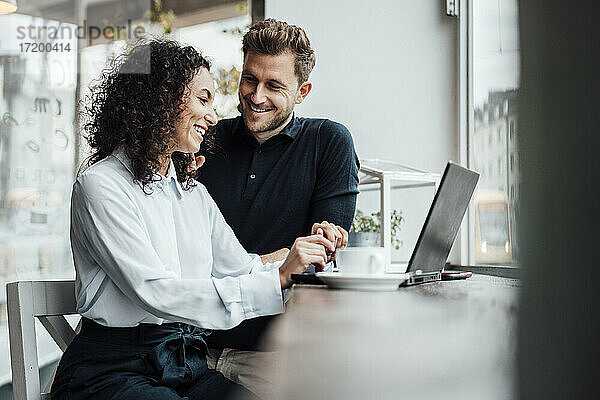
column 270, row 194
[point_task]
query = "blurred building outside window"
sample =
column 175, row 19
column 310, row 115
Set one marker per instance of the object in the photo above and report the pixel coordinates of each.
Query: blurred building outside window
column 495, row 85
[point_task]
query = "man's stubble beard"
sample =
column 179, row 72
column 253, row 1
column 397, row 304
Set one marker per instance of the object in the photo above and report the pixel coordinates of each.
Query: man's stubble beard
column 276, row 122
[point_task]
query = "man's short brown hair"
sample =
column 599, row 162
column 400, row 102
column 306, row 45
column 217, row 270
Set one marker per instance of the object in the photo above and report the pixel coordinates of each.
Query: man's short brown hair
column 275, row 37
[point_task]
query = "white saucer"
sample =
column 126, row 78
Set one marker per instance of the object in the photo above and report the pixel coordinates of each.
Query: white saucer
column 369, row 282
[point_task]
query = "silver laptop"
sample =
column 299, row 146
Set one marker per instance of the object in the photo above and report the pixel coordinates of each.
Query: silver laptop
column 441, row 225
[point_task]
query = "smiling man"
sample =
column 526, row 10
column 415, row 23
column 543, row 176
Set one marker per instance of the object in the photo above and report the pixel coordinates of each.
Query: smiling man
column 276, row 176
column 273, row 174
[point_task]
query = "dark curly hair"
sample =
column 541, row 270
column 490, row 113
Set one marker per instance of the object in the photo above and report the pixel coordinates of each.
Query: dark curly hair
column 135, row 104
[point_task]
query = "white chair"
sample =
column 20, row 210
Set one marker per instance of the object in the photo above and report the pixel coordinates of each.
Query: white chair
column 49, row 301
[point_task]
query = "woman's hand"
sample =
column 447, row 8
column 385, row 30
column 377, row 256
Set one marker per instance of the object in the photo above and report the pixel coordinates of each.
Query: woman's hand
column 305, row 251
column 278, row 255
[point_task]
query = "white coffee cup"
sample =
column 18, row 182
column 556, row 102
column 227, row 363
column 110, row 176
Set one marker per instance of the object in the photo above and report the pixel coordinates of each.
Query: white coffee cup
column 361, row 260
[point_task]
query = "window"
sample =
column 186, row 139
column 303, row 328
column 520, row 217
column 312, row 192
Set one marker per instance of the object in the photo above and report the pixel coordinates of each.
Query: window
column 494, row 85
column 36, row 154
column 37, row 148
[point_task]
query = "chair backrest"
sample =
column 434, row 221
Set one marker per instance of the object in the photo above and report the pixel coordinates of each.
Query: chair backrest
column 48, row 301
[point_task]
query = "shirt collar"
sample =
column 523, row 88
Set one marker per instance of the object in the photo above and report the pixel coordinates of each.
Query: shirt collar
column 292, row 128
column 172, row 175
column 121, row 155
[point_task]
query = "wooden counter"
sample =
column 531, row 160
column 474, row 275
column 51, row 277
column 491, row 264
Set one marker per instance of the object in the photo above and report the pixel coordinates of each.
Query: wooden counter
column 444, row 340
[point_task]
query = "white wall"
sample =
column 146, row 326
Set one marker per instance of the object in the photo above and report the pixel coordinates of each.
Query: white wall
column 387, row 69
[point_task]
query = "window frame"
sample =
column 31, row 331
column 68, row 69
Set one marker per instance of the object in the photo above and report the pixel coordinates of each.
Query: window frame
column 466, row 112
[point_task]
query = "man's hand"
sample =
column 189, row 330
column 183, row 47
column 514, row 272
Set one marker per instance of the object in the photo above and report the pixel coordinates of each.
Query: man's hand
column 278, row 255
column 305, row 251
column 336, row 234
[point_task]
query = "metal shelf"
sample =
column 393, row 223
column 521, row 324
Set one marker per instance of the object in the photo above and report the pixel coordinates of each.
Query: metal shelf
column 390, row 175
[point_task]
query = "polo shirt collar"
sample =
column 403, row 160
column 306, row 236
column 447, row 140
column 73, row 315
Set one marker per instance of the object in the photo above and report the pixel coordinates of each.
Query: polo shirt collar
column 291, row 129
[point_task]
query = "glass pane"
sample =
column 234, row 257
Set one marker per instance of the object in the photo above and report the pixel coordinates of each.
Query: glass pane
column 37, row 111
column 493, row 146
column 38, row 77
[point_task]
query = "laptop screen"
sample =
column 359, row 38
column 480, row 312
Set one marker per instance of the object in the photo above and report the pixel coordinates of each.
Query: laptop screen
column 443, row 220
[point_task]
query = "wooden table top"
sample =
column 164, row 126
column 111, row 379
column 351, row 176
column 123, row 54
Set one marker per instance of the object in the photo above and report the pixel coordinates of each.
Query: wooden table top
column 442, row 340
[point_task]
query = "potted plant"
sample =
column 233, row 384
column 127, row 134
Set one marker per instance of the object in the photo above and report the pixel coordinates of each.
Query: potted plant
column 365, row 229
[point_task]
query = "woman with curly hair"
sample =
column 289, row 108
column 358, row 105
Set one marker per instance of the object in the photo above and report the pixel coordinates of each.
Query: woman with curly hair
column 157, row 266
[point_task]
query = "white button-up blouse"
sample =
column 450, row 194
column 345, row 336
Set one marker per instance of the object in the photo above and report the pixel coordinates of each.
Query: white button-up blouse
column 165, row 256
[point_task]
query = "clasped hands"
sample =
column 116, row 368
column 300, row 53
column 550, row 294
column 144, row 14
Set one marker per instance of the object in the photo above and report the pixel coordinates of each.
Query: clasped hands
column 318, row 248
